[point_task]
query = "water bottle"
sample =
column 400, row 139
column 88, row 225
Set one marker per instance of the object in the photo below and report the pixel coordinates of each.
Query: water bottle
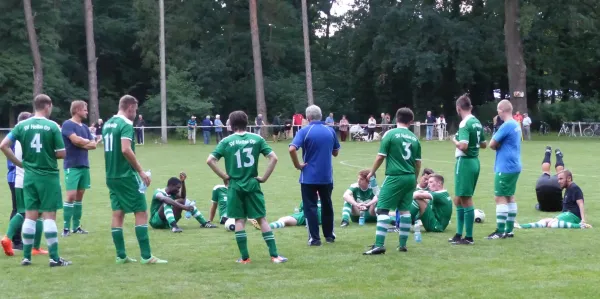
column 373, row 185
column 188, row 214
column 296, row 210
column 418, row 237
column 361, row 219
column 143, row 187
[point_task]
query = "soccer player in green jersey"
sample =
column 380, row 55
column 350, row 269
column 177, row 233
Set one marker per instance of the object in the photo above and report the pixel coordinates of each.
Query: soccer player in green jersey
column 296, row 219
column 126, row 181
column 359, row 197
column 219, row 200
column 168, row 203
column 245, row 199
column 402, row 151
column 435, row 205
column 469, row 140
column 42, row 145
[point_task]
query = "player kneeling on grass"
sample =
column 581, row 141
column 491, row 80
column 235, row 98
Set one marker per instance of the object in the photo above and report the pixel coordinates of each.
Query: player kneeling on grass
column 573, row 214
column 296, row 219
column 433, row 207
column 168, row 203
column 358, row 198
column 219, row 200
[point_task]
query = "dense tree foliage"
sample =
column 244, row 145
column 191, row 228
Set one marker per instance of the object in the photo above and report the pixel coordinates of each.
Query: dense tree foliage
column 383, row 54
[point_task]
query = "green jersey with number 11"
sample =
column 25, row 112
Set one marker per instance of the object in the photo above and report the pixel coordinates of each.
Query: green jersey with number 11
column 115, row 129
column 241, row 153
column 40, row 139
column 470, row 132
column 401, row 149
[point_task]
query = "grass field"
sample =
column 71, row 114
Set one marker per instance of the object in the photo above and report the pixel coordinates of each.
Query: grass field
column 539, row 263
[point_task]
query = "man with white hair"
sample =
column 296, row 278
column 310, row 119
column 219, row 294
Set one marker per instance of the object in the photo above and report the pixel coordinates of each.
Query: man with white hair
column 206, row 128
column 319, row 143
column 430, row 121
column 258, row 121
column 218, row 128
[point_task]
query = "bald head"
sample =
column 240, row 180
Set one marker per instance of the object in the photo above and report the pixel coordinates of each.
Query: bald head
column 505, row 110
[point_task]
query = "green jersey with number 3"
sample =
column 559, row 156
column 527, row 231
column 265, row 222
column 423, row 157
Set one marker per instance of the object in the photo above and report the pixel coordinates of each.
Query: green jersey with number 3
column 470, row 132
column 115, row 129
column 361, row 195
column 40, row 139
column 241, row 153
column 401, row 149
column 441, row 206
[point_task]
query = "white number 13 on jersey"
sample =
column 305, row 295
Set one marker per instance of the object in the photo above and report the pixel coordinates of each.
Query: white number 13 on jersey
column 247, row 156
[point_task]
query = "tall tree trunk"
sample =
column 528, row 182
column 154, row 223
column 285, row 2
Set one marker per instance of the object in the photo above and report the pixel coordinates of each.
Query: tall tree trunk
column 309, row 89
column 38, row 74
column 91, row 60
column 261, row 105
column 517, row 70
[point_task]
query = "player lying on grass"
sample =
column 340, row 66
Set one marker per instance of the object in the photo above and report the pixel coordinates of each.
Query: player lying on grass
column 573, row 214
column 219, row 200
column 547, row 189
column 434, row 206
column 296, row 219
column 359, row 197
column 168, row 203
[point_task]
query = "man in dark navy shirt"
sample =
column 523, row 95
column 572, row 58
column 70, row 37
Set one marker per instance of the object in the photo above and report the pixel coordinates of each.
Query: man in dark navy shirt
column 78, row 140
column 319, row 143
column 430, row 121
column 573, row 213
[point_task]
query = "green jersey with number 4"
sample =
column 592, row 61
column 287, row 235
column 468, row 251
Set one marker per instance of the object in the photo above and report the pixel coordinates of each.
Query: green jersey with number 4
column 115, row 129
column 401, row 149
column 241, row 153
column 40, row 139
column 441, row 206
column 470, row 132
column 219, row 196
column 361, row 195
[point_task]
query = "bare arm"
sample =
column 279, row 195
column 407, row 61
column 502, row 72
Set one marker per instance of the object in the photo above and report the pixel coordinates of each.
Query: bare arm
column 5, row 147
column 183, row 192
column 272, row 157
column 335, row 153
column 460, row 145
column 378, row 161
column 373, row 201
column 494, row 144
column 82, row 142
column 212, row 163
column 213, row 210
column 170, row 201
column 294, row 156
column 422, row 195
column 581, row 209
column 130, row 155
column 483, row 145
column 349, row 198
column 417, row 169
column 61, row 154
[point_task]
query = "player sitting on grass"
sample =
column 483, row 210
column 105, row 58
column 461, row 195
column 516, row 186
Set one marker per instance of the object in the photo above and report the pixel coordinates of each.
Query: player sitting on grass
column 573, row 214
column 547, row 189
column 168, row 203
column 434, row 206
column 424, row 181
column 359, row 197
column 296, row 219
column 219, row 200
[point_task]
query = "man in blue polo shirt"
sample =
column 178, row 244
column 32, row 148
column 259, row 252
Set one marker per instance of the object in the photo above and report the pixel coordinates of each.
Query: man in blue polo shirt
column 78, row 140
column 318, row 142
column 206, row 128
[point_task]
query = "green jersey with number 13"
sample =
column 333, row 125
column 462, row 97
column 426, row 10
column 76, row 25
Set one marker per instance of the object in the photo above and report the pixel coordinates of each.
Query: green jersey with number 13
column 470, row 132
column 401, row 149
column 115, row 129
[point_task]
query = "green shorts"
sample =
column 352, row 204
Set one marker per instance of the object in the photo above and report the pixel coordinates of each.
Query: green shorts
column 430, row 223
column 42, row 192
column 77, row 178
column 245, row 203
column 157, row 222
column 20, row 201
column 505, row 184
column 397, row 192
column 125, row 194
column 568, row 217
column 300, row 219
column 466, row 174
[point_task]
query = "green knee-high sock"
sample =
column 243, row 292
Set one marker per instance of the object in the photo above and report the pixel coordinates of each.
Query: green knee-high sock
column 404, row 229
column 141, row 233
column 14, row 224
column 383, row 223
column 469, row 220
column 346, row 211
column 501, row 215
column 51, row 234
column 77, row 211
column 28, row 236
column 512, row 215
column 277, row 224
column 270, row 240
column 538, row 224
column 460, row 220
column 169, row 215
column 196, row 214
column 39, row 228
column 242, row 241
column 68, row 208
column 414, row 211
column 563, row 224
column 119, row 240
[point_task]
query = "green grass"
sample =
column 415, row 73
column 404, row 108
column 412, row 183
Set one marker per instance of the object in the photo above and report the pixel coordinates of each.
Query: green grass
column 536, row 263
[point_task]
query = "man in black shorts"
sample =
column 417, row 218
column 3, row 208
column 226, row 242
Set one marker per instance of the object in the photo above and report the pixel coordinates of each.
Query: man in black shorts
column 547, row 189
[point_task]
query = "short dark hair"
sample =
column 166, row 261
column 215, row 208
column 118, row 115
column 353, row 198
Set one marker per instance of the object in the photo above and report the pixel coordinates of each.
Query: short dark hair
column 23, row 116
column 464, row 102
column 404, row 115
column 568, row 174
column 428, row 171
column 127, row 101
column 41, row 101
column 438, row 177
column 173, row 181
column 238, row 120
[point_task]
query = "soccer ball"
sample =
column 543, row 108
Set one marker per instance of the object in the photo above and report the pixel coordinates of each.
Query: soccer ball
column 479, row 216
column 230, row 225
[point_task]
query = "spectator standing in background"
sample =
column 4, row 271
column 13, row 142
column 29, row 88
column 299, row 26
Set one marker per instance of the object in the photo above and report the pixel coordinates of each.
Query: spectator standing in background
column 276, row 127
column 430, row 121
column 371, row 125
column 99, row 126
column 258, row 121
column 344, row 127
column 140, row 123
column 192, row 130
column 287, row 128
column 518, row 117
column 218, row 128
column 384, row 123
column 206, row 128
column 329, row 120
column 297, row 122
column 441, row 125
column 526, row 126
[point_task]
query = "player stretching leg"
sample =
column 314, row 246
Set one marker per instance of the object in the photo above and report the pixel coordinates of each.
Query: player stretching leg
column 296, row 219
column 17, row 221
column 124, row 177
column 245, row 199
column 573, row 214
column 42, row 146
column 78, row 140
column 468, row 141
column 402, row 152
column 359, row 197
column 219, row 200
column 507, row 144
